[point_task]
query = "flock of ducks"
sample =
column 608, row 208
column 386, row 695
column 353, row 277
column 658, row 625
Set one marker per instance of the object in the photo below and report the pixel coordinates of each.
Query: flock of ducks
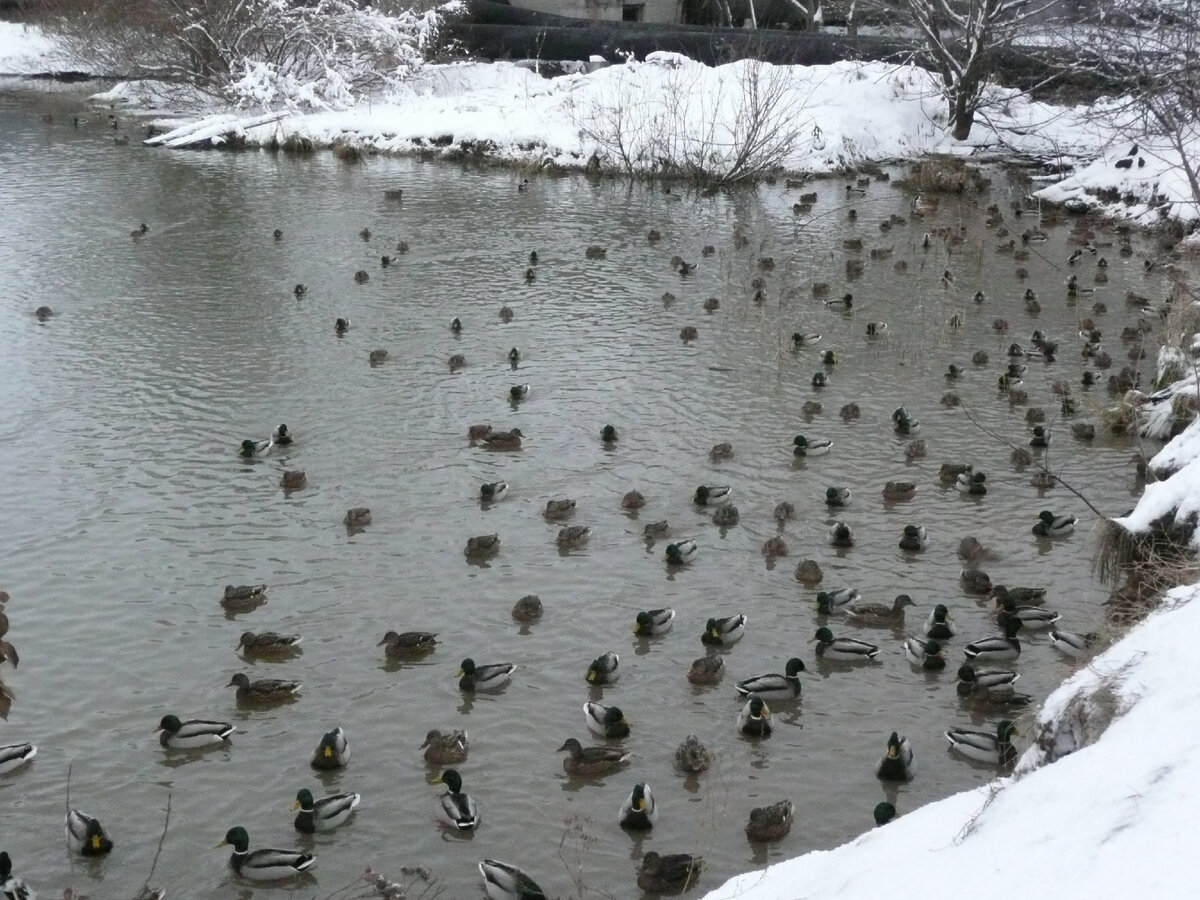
column 978, row 682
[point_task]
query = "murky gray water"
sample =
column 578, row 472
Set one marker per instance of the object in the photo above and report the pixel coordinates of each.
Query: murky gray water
column 127, row 508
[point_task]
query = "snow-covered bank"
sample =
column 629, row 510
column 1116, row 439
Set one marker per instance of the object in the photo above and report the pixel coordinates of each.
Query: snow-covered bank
column 1108, row 820
column 27, row 50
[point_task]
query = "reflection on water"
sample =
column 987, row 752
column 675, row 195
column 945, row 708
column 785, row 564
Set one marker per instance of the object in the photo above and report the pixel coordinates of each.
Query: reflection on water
column 129, row 509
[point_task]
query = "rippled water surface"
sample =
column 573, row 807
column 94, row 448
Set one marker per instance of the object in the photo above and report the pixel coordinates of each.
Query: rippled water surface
column 127, row 508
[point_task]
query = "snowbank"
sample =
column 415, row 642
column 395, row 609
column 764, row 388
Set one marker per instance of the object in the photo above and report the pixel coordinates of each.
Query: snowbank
column 1107, row 820
column 26, row 50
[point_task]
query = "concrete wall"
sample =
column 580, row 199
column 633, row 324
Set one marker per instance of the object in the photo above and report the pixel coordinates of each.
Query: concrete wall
column 657, row 11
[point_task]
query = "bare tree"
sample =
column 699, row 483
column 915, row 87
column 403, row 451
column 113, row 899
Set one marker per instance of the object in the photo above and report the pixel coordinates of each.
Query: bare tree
column 1149, row 52
column 962, row 39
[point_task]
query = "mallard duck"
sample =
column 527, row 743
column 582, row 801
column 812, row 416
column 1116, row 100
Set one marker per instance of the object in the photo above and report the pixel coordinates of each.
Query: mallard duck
column 670, row 874
column 193, row 733
column 848, row 649
column 969, row 548
column 559, row 509
column 850, row 412
column 456, row 361
column 293, row 480
column 482, row 545
column 653, row 622
column 721, row 632
column 906, row 425
column 841, row 535
column 884, row 813
column 503, row 881
column 711, row 495
column 681, row 552
column 688, row 333
column 879, row 613
column 1067, row 643
column 1041, row 437
column 808, row 572
column 13, row 756
column 332, row 751
column 444, row 748
column 139, row 231
column 948, row 472
column 801, row 339
column 984, row 746
column 262, row 690
column 1022, row 596
column 658, row 529
column 456, row 808
column 706, row 670
column 86, row 835
column 896, row 762
column 837, row 601
column 264, row 864
column 604, row 669
column 487, row 677
column 755, row 718
column 1004, row 646
column 827, row 358
column 770, row 823
column 591, row 760
column 954, row 371
column 573, row 536
column 939, row 625
column 914, row 539
column 1083, row 431
column 503, row 440
column 899, row 491
column 846, row 301
column 456, row 325
column 721, row 451
column 518, row 392
column 251, row 449
column 493, row 491
column 876, row 329
column 692, row 756
column 324, row 814
column 281, row 435
column 975, row 581
column 357, row 517
column 1031, row 618
column 726, row 515
column 1050, row 525
column 802, row 446
column 984, row 681
column 633, row 500
column 606, row 721
column 12, row 887
column 478, row 432
column 837, row 496
column 774, row 547
column 775, row 687
column 514, row 355
column 407, row 643
column 924, row 652
column 638, row 812
column 784, row 511
column 972, row 483
column 506, row 314
column 1020, row 457
column 243, row 597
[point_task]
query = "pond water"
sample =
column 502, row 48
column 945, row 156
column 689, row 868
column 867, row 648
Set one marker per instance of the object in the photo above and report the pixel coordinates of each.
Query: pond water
column 128, row 508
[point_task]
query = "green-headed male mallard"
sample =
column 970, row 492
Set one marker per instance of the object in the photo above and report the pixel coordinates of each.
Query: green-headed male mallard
column 487, row 677
column 837, row 496
column 504, row 881
column 606, row 721
column 924, row 652
column 1032, row 618
column 844, row 649
column 914, row 539
column 492, row 491
column 86, row 835
column 653, row 622
column 774, row 686
column 770, row 823
column 884, row 813
column 837, row 601
column 13, row 756
column 12, row 887
column 681, row 552
column 1004, row 646
column 265, row 864
column 841, row 535
column 983, row 746
column 251, row 449
column 456, row 807
column 193, row 734
column 1050, row 525
column 939, row 625
column 604, row 669
column 1071, row 644
column 638, row 812
column 324, row 814
column 590, row 761
column 972, row 483
column 333, row 750
column 281, row 435
column 711, row 495
column 803, row 446
column 896, row 762
column 723, row 631
column 984, row 681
